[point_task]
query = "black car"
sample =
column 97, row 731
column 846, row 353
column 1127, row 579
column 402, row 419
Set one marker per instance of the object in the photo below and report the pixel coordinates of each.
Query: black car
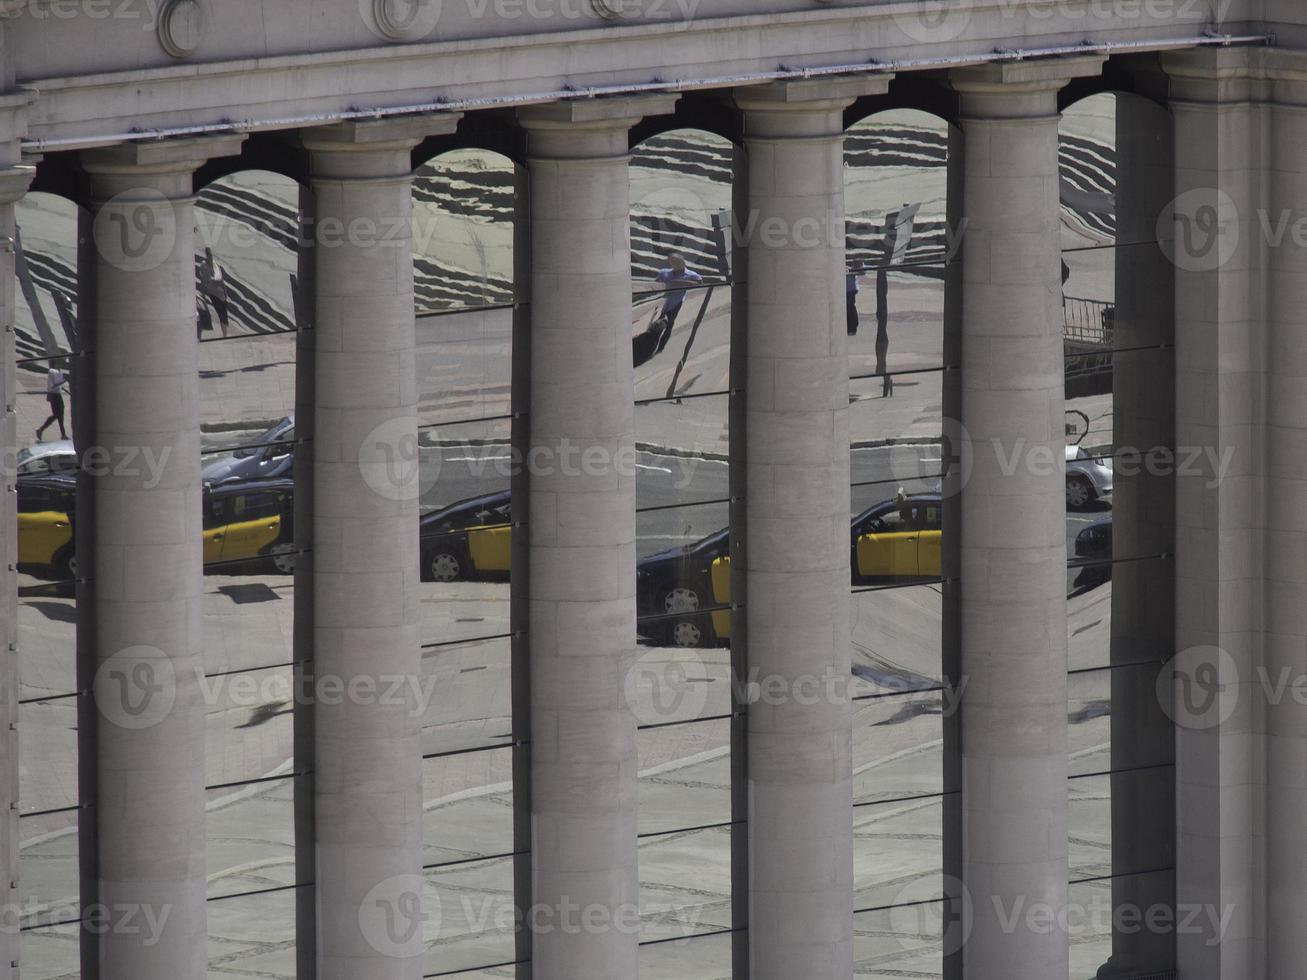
column 1093, row 545
column 673, row 586
column 448, row 552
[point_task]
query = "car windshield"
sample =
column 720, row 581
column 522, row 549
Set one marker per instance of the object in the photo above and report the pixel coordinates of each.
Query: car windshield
column 716, row 538
column 283, row 431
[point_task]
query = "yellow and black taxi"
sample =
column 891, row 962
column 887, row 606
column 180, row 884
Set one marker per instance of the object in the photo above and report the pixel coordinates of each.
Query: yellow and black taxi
column 251, row 521
column 248, row 521
column 897, row 540
column 46, row 511
column 469, row 539
column 681, row 592
column 676, row 591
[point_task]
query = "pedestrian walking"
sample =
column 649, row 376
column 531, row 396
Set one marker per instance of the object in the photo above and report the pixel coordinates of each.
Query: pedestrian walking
column 55, row 383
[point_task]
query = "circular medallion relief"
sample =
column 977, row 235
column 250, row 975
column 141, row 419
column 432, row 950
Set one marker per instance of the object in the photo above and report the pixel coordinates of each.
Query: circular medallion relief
column 181, row 26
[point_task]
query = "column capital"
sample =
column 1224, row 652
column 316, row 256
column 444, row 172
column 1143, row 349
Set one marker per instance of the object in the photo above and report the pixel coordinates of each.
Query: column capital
column 588, row 127
column 1018, row 89
column 803, row 108
column 372, row 148
column 14, row 182
column 1210, row 75
column 160, row 156
column 163, row 166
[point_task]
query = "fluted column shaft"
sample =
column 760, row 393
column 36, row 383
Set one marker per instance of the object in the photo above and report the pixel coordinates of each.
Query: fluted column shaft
column 1013, row 549
column 581, row 521
column 149, row 811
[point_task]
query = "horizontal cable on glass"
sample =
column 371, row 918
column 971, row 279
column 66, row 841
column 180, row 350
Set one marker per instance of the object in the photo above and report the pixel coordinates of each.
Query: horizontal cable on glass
column 475, row 639
column 260, row 780
column 252, row 335
column 1122, row 772
column 687, row 396
column 648, row 835
column 1136, row 457
column 1107, row 562
column 52, row 925
column 1123, row 666
column 941, row 369
column 697, row 935
column 474, row 860
column 908, row 799
column 904, row 905
column 254, row 670
column 645, row 295
column 450, row 753
column 59, row 809
column 702, row 610
column 454, row 311
column 489, row 418
column 262, row 891
column 23, row 361
column 653, row 726
column 432, row 535
column 882, row 695
column 1107, row 351
column 283, row 578
column 942, row 262
column 901, row 585
column 1107, row 245
column 689, row 503
column 1124, row 874
column 465, row 970
column 48, row 699
column 49, row 587
column 228, row 450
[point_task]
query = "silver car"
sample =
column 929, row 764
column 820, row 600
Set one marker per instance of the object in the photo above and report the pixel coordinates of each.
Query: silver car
column 48, row 457
column 1087, row 478
column 271, row 455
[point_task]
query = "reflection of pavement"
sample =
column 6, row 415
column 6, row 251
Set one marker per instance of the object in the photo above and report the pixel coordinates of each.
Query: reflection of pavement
column 684, row 782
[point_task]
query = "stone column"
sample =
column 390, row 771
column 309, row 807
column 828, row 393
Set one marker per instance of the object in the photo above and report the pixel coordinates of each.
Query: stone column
column 1013, row 550
column 366, row 482
column 581, row 523
column 13, row 185
column 1214, row 244
column 1143, row 524
column 147, row 565
column 800, row 818
column 1285, row 625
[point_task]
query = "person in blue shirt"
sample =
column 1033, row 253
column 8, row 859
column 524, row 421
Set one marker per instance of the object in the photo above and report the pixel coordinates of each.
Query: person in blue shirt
column 675, row 275
column 676, row 279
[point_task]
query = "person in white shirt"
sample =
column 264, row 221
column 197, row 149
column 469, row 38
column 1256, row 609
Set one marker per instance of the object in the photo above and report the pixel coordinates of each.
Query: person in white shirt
column 55, row 383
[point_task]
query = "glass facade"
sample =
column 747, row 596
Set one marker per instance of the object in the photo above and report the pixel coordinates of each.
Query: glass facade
column 688, row 690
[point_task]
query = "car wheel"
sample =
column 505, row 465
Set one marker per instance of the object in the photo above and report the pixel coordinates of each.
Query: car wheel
column 444, row 566
column 687, row 628
column 1079, row 492
column 282, row 557
column 65, row 564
